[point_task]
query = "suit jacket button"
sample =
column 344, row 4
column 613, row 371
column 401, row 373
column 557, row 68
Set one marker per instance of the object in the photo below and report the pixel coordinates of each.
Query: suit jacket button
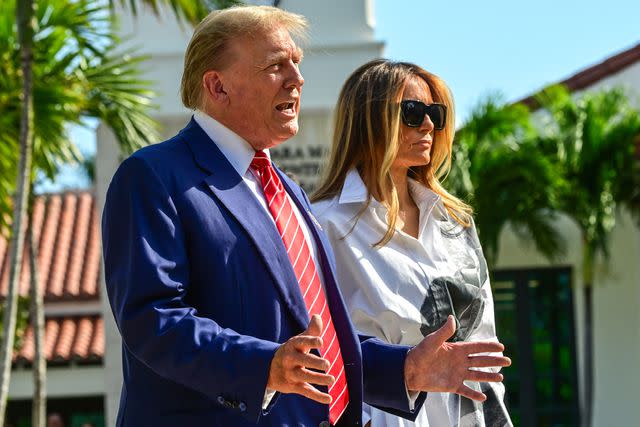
column 325, row 424
column 242, row 406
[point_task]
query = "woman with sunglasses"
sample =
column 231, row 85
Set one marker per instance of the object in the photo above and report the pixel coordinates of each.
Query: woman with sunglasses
column 407, row 251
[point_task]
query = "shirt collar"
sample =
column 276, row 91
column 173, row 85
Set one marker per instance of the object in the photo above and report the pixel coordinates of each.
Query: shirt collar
column 354, row 191
column 235, row 148
column 424, row 197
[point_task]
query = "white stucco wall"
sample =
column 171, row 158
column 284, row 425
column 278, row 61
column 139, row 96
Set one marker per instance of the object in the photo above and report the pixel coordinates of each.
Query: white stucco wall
column 629, row 78
column 617, row 329
column 74, row 381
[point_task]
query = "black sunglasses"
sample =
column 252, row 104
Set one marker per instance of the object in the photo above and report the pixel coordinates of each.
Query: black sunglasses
column 413, row 113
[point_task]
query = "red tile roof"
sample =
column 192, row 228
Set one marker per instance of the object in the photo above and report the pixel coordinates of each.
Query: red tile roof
column 595, row 73
column 67, row 230
column 67, row 339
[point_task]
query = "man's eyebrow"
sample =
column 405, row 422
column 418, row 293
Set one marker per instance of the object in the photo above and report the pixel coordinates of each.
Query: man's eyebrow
column 277, row 56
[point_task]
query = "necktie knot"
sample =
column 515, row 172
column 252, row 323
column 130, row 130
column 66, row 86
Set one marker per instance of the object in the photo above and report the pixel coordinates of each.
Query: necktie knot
column 260, row 161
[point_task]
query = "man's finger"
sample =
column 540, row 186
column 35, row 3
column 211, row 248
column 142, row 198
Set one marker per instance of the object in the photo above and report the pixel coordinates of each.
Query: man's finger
column 318, row 378
column 313, row 393
column 480, row 376
column 305, row 343
column 483, row 347
column 312, row 361
column 465, row 391
column 488, row 361
column 446, row 331
column 315, row 326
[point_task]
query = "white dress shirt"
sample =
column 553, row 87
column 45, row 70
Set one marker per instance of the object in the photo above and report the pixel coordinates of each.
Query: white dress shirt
column 387, row 290
column 240, row 154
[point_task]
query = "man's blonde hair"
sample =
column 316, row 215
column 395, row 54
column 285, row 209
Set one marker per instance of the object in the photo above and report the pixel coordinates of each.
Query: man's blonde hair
column 208, row 48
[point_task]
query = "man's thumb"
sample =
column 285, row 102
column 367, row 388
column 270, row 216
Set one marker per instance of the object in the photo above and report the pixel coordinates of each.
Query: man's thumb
column 446, row 331
column 315, row 326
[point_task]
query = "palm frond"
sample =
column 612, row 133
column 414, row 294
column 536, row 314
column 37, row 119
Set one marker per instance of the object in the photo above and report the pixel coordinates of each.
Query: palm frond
column 191, row 11
column 500, row 170
column 595, row 137
column 77, row 73
column 118, row 96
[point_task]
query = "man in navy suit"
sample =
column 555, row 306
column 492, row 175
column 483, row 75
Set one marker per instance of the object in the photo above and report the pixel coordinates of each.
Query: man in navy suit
column 215, row 328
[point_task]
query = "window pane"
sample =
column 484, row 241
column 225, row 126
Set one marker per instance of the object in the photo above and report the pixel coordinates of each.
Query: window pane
column 534, row 319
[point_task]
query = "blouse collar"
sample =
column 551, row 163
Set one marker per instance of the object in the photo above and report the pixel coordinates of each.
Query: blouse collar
column 355, row 191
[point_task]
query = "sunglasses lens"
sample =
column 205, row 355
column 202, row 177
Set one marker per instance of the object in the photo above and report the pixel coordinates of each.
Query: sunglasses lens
column 437, row 115
column 413, row 113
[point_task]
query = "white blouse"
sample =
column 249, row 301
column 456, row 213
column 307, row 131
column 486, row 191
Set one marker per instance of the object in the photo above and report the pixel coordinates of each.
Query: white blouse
column 405, row 290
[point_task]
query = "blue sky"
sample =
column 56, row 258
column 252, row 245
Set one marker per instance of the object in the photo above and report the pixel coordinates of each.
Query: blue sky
column 512, row 46
column 477, row 47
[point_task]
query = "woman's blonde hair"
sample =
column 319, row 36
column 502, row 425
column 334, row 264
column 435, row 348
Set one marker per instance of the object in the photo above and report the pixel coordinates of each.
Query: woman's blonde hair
column 208, row 47
column 367, row 136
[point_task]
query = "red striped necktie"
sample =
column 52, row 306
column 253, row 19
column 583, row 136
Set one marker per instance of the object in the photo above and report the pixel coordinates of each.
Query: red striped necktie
column 307, row 275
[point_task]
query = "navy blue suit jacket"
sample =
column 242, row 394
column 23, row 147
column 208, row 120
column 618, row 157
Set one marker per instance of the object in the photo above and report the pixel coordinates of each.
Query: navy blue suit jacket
column 203, row 293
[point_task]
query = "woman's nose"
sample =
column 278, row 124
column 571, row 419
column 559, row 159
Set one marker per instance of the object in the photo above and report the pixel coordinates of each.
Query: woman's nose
column 426, row 125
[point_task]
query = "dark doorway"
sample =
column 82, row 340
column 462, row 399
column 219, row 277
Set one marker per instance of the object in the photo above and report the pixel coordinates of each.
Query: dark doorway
column 534, row 319
column 74, row 412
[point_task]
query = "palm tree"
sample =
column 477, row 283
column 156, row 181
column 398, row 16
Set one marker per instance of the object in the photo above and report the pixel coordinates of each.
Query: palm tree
column 79, row 75
column 498, row 169
column 26, row 29
column 39, row 404
column 593, row 141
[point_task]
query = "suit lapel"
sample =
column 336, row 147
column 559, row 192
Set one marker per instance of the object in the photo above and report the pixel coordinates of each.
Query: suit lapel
column 225, row 183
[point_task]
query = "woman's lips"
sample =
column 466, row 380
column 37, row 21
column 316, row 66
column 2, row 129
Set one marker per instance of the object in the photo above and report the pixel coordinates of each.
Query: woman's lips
column 422, row 143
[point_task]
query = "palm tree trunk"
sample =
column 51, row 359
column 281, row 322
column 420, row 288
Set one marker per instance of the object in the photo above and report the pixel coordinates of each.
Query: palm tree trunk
column 24, row 18
column 39, row 402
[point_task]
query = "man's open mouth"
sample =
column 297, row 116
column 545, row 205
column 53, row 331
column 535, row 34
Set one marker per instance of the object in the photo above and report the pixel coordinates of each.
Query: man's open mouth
column 285, row 106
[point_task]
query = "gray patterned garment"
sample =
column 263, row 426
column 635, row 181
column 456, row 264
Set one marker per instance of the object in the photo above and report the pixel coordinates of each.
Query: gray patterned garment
column 406, row 289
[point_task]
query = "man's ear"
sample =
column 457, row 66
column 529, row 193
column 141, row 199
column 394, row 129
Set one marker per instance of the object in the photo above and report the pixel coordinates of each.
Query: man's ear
column 212, row 83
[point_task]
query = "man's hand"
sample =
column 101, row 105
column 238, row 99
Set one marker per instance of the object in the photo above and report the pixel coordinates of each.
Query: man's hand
column 290, row 368
column 437, row 365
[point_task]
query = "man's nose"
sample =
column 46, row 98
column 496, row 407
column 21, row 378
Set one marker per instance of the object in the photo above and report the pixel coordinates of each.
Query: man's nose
column 295, row 78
